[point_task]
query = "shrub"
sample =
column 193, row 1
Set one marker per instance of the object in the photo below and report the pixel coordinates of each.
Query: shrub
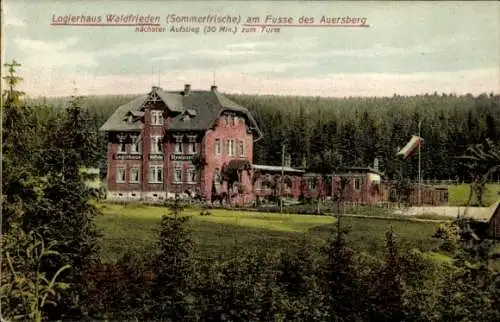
column 121, row 290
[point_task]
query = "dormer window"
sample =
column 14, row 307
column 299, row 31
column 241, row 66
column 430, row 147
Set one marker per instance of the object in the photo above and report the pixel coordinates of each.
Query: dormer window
column 188, row 115
column 130, row 118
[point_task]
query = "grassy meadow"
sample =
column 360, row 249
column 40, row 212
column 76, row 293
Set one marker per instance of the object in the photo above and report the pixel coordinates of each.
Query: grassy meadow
column 458, row 194
column 132, row 228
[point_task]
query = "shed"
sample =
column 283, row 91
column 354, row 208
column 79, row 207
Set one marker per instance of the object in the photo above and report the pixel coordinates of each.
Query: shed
column 494, row 221
column 487, row 222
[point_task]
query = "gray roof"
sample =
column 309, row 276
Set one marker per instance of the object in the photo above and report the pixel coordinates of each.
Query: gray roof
column 276, row 168
column 118, row 120
column 203, row 107
column 487, row 214
column 363, row 169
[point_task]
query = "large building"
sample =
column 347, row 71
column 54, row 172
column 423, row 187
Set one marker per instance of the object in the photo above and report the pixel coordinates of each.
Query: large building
column 169, row 143
column 176, row 142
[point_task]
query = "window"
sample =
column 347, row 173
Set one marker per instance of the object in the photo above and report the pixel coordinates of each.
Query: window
column 156, row 118
column 312, row 183
column 135, row 175
column 156, row 144
column 357, row 183
column 233, row 120
column 135, row 146
column 178, row 148
column 120, row 175
column 191, row 175
column 192, row 144
column 156, row 174
column 178, row 175
column 242, row 148
column 217, row 147
column 230, row 147
column 178, row 144
column 226, row 118
column 122, row 147
column 217, row 176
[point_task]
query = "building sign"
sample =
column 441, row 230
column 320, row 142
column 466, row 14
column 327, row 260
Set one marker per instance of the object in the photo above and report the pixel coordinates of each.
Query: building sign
column 128, row 157
column 181, row 157
column 156, row 157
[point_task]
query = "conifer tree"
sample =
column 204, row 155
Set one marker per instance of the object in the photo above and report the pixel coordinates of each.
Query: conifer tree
column 341, row 278
column 65, row 208
column 389, row 302
column 20, row 186
column 172, row 285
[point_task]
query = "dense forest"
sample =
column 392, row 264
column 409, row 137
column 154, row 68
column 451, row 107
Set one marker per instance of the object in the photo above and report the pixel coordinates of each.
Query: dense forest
column 51, row 267
column 325, row 134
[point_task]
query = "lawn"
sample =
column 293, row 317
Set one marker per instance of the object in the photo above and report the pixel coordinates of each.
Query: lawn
column 458, row 194
column 132, row 228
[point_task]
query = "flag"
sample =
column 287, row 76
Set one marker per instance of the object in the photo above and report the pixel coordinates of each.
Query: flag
column 408, row 149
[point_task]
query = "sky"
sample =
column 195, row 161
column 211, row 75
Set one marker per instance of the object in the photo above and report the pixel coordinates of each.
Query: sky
column 409, row 48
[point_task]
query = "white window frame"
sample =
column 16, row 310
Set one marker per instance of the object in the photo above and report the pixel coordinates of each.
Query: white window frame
column 156, row 144
column 132, row 170
column 191, row 148
column 178, row 148
column 191, row 175
column 230, row 147
column 218, row 147
column 119, row 169
column 135, row 143
column 120, row 146
column 156, row 117
column 153, row 173
column 241, row 148
column 176, row 171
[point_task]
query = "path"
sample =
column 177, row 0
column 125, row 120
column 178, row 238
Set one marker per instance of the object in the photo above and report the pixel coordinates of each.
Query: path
column 452, row 212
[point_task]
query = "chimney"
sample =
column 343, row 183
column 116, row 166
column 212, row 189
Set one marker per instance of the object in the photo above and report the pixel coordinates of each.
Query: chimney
column 213, row 88
column 187, row 88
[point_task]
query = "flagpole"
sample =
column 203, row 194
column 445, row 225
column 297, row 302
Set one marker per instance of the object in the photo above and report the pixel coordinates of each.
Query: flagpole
column 282, row 175
column 419, row 165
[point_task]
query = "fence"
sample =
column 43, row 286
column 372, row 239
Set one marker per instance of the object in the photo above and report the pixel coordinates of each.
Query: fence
column 456, row 181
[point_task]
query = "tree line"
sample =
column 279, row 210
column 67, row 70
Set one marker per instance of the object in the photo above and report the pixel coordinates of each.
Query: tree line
column 325, row 134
